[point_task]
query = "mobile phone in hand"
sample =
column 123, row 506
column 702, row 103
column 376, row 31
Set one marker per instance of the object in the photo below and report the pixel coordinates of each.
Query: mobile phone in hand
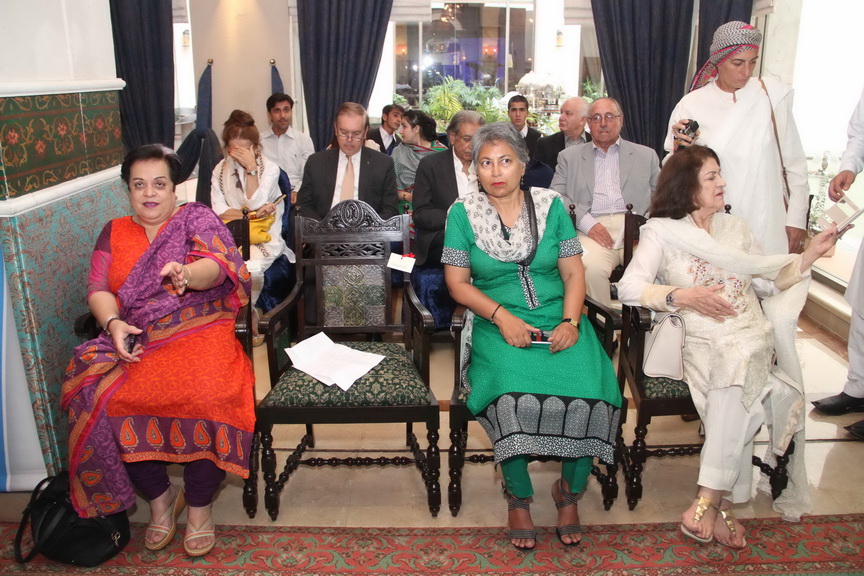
column 541, row 337
column 130, row 342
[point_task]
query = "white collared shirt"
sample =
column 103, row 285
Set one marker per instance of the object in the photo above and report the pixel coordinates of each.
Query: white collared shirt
column 340, row 175
column 467, row 183
column 524, row 131
column 386, row 137
column 607, row 197
column 289, row 151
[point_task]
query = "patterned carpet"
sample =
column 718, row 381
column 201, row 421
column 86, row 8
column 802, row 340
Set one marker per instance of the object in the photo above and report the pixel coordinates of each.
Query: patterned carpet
column 818, row 545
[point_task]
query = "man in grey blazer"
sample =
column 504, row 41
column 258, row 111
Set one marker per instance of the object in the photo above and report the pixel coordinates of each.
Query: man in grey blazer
column 350, row 172
column 601, row 178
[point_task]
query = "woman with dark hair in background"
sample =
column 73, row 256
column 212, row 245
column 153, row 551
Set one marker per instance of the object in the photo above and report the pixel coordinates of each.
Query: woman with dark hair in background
column 419, row 133
column 166, row 381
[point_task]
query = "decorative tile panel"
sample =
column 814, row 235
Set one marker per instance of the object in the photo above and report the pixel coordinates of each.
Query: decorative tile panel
column 46, row 140
column 46, row 254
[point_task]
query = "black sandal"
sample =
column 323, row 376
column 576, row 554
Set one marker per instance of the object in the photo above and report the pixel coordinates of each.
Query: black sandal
column 567, row 499
column 519, row 533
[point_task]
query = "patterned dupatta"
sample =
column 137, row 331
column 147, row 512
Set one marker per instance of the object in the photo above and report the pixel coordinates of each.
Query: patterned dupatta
column 99, row 483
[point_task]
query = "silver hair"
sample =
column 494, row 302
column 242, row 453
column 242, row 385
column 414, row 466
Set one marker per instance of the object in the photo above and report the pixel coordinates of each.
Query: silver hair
column 581, row 104
column 503, row 132
column 464, row 117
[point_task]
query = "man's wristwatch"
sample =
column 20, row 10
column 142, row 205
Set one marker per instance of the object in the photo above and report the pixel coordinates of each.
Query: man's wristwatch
column 571, row 321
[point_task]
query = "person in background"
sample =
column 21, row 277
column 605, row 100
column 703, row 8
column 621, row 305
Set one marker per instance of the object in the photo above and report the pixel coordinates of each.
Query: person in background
column 282, row 144
column 601, row 178
column 419, row 134
column 166, row 381
column 386, row 135
column 247, row 179
column 748, row 121
column 851, row 398
column 571, row 123
column 517, row 110
column 350, row 171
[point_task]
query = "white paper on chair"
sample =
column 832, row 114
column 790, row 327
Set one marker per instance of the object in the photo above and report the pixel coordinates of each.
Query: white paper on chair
column 331, row 363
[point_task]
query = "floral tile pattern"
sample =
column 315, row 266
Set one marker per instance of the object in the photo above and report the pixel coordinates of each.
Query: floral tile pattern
column 46, row 253
column 102, row 129
column 46, row 140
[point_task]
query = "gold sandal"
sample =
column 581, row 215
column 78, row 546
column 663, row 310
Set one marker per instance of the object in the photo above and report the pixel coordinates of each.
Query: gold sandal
column 701, row 507
column 729, row 518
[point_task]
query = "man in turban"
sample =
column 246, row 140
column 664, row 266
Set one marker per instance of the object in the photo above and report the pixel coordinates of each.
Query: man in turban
column 748, row 122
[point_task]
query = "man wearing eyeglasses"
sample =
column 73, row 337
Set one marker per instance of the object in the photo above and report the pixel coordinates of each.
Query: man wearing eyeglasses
column 601, row 178
column 352, row 171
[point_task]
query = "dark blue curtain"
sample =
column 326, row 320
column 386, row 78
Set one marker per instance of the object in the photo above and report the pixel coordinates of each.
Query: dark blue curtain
column 143, row 52
column 644, row 52
column 275, row 80
column 340, row 47
column 204, row 109
column 714, row 14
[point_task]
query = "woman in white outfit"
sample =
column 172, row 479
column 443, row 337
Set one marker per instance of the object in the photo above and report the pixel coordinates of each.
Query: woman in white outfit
column 246, row 179
column 740, row 309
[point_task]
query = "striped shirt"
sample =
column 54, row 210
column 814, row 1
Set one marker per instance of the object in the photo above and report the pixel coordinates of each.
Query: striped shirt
column 607, row 198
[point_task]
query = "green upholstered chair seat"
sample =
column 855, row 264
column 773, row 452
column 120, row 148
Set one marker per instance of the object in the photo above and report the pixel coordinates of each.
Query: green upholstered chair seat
column 665, row 388
column 395, row 381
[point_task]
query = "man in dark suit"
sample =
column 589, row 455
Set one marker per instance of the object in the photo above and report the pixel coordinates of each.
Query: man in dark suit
column 350, row 172
column 571, row 123
column 517, row 110
column 386, row 135
column 601, row 177
column 441, row 178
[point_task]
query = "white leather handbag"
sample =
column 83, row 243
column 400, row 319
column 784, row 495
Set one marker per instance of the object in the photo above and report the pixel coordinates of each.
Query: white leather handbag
column 664, row 347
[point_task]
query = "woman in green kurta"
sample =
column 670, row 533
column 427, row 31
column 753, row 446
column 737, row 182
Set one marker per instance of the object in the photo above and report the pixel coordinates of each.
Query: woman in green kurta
column 513, row 259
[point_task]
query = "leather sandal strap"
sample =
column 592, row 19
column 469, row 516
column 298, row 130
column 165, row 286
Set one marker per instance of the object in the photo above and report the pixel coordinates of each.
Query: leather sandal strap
column 701, row 507
column 515, row 503
column 521, row 533
column 567, row 498
column 571, row 529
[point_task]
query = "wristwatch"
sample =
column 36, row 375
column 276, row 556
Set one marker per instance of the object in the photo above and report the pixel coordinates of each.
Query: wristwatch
column 571, row 321
column 670, row 298
column 252, row 172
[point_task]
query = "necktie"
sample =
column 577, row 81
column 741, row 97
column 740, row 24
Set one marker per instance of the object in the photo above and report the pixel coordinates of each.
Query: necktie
column 348, row 182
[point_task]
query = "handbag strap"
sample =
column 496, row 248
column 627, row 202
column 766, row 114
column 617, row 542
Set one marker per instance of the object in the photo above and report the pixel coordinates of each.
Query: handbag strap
column 786, row 188
column 22, row 527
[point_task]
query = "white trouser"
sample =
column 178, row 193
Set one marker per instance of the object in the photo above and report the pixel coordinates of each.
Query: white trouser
column 599, row 262
column 727, row 456
column 855, row 379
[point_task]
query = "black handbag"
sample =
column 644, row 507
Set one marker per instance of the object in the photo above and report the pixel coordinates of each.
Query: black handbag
column 61, row 535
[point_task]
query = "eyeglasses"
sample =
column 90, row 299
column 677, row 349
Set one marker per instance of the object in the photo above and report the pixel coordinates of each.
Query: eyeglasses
column 349, row 135
column 597, row 118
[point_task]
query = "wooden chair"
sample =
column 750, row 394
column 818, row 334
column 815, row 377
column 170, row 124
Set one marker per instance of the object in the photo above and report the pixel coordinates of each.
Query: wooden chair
column 659, row 396
column 347, row 254
column 602, row 319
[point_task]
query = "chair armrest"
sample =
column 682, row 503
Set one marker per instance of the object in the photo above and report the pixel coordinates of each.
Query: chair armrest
column 274, row 324
column 86, row 326
column 421, row 313
column 457, row 321
column 605, row 321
